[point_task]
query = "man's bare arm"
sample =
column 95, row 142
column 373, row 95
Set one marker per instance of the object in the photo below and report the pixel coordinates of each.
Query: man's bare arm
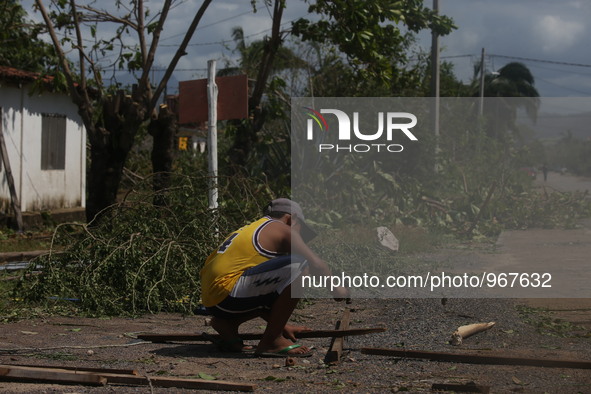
column 283, row 238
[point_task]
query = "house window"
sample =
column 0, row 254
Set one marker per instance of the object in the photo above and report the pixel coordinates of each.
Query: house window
column 53, row 142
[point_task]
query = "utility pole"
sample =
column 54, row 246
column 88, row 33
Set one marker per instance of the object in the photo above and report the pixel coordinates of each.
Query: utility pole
column 435, row 83
column 482, row 83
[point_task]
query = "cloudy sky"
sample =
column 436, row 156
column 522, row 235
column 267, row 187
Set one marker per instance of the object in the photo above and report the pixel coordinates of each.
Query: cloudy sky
column 552, row 37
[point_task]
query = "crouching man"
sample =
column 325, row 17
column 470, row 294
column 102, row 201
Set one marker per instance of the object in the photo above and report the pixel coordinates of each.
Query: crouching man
column 251, row 273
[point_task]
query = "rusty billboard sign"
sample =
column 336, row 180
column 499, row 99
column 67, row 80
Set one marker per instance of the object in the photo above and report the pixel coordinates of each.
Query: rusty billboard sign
column 232, row 99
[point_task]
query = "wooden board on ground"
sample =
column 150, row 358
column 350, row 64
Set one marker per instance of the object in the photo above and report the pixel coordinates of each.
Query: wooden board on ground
column 79, row 369
column 197, row 384
column 254, row 336
column 335, row 350
column 479, row 359
column 28, row 374
column 60, row 375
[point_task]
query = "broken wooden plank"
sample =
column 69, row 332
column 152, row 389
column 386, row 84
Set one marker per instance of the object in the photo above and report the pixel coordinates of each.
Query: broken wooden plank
column 40, row 374
column 255, row 336
column 460, row 388
column 97, row 371
column 479, row 359
column 28, row 374
column 335, row 350
column 197, row 384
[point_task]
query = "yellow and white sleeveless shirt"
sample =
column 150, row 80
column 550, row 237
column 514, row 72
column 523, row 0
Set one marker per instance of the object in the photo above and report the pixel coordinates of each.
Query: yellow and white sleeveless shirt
column 240, row 251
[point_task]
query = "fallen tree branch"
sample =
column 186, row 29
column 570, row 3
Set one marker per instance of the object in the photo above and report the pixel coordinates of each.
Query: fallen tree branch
column 491, row 190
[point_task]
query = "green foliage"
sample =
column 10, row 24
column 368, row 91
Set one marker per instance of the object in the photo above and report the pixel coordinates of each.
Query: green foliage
column 449, row 84
column 141, row 257
column 6, row 288
column 546, row 324
column 483, row 191
column 269, row 159
column 490, row 204
column 368, row 33
column 476, row 192
column 20, row 46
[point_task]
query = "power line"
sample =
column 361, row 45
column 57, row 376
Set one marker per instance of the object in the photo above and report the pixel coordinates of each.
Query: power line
column 582, row 72
column 456, row 56
column 562, row 86
column 542, row 61
column 223, row 42
column 211, row 24
column 491, row 55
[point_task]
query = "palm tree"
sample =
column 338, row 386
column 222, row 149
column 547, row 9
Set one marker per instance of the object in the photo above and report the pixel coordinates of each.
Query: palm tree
column 512, row 80
column 513, row 88
column 251, row 57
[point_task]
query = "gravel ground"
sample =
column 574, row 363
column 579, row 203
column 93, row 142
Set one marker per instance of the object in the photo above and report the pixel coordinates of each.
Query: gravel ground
column 418, row 324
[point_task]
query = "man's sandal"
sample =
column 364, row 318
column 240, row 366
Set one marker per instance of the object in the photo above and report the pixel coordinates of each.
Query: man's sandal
column 229, row 345
column 285, row 352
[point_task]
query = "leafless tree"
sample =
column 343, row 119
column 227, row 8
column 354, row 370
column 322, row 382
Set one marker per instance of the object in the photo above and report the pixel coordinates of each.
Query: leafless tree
column 112, row 117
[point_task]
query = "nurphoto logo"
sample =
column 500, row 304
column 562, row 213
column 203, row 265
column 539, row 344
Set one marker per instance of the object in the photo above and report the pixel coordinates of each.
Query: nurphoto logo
column 392, row 123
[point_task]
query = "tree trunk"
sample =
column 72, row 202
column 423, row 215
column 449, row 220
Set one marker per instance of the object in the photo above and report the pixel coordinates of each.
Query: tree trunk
column 247, row 133
column 163, row 130
column 104, row 177
column 111, row 142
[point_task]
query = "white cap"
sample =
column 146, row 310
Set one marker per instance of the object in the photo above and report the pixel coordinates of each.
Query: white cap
column 285, row 205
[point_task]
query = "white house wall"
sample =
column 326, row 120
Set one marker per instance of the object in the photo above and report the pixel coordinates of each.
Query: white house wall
column 22, row 124
column 10, row 102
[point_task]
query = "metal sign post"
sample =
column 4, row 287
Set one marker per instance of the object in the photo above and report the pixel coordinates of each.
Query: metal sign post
column 227, row 98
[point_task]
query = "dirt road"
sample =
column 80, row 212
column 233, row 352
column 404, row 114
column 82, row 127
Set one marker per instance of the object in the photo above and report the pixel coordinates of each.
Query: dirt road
column 564, row 183
column 562, row 252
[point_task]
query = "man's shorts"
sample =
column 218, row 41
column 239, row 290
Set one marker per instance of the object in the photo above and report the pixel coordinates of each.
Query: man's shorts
column 259, row 286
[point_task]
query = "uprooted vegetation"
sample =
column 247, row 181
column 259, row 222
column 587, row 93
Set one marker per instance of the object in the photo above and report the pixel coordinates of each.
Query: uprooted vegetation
column 140, row 256
column 145, row 257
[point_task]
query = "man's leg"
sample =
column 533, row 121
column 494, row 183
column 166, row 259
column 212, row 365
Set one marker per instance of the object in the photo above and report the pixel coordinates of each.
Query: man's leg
column 228, row 330
column 290, row 330
column 273, row 339
column 264, row 290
